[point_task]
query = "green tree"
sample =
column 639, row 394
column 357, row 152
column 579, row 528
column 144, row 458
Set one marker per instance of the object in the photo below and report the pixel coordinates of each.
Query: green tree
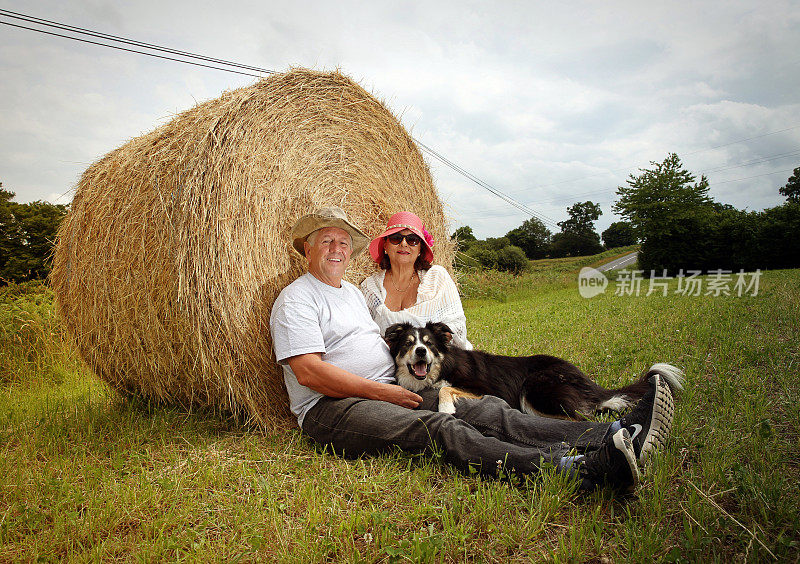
column 683, row 228
column 27, row 234
column 463, row 237
column 7, row 226
column 532, row 237
column 499, row 254
column 497, row 243
column 661, row 196
column 777, row 236
column 581, row 217
column 619, row 234
column 792, row 188
column 578, row 236
column 672, row 214
column 512, row 259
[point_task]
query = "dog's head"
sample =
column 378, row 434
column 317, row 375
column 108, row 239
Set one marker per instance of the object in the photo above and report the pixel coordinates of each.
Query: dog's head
column 418, row 352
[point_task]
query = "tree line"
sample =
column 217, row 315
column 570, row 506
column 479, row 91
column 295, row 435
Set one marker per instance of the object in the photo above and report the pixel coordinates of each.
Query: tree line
column 27, row 235
column 682, row 227
column 668, row 211
column 533, row 240
column 665, row 208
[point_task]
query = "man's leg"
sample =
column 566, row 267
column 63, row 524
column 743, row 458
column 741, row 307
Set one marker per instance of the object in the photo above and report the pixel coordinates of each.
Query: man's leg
column 493, row 417
column 354, row 426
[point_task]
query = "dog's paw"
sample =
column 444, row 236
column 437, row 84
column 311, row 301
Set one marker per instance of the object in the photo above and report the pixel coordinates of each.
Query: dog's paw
column 447, row 407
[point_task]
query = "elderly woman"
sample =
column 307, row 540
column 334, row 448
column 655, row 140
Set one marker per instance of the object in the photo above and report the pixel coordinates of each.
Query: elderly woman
column 408, row 289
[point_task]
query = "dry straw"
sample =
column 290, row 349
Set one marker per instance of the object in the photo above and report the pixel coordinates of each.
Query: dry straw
column 177, row 243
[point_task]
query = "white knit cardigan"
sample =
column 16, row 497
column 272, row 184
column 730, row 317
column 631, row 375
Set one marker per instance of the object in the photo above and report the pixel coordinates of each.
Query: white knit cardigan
column 437, row 300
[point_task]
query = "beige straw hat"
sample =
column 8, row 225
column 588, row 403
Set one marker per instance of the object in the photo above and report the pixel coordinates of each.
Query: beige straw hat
column 327, row 217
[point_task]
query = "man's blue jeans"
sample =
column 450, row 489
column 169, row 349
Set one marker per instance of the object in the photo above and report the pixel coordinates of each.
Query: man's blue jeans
column 483, row 433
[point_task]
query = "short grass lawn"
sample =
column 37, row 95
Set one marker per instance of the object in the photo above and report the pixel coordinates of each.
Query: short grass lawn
column 85, row 475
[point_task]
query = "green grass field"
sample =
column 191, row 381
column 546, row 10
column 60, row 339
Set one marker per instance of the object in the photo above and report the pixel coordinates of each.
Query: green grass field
column 87, row 476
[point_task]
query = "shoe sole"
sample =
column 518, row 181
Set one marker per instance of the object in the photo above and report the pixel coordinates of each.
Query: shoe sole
column 660, row 420
column 623, row 443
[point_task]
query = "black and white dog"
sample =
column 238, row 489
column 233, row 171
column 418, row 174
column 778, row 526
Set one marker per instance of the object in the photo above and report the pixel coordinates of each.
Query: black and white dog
column 541, row 384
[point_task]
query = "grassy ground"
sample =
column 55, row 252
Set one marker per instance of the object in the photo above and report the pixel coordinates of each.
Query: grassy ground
column 86, row 476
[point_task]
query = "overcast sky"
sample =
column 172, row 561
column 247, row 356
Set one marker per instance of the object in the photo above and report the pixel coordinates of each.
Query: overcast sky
column 550, row 103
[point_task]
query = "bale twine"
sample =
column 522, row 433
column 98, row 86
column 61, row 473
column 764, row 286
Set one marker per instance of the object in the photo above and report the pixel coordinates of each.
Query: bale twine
column 177, row 243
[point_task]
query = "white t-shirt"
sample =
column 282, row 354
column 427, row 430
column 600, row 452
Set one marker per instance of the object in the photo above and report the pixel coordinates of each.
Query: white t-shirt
column 310, row 316
column 437, row 300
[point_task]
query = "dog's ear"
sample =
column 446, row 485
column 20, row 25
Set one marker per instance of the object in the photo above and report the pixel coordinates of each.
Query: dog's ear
column 443, row 333
column 395, row 332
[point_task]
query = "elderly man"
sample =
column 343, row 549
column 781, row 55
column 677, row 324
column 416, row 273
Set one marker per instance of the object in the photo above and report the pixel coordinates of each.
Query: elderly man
column 340, row 379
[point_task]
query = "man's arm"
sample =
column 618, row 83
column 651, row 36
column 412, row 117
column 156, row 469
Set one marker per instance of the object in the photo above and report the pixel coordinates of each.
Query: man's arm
column 313, row 372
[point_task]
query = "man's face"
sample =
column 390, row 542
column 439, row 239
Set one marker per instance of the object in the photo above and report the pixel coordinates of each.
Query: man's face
column 328, row 252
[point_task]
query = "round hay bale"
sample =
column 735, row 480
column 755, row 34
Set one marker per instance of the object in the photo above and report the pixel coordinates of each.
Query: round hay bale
column 177, row 243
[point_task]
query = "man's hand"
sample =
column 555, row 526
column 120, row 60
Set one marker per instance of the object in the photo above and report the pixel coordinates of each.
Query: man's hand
column 313, row 372
column 402, row 397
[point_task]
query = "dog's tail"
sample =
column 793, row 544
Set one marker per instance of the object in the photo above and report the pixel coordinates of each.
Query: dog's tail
column 626, row 397
column 672, row 374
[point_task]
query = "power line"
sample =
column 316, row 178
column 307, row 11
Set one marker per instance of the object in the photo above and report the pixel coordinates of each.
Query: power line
column 570, row 198
column 126, row 41
column 753, row 162
column 760, row 160
column 174, row 51
column 130, row 50
column 750, row 177
column 488, row 213
column 486, row 186
column 743, row 140
column 117, row 38
column 615, row 170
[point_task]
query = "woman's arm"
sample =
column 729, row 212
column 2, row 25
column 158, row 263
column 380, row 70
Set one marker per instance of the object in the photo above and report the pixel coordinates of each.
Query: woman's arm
column 453, row 312
column 373, row 299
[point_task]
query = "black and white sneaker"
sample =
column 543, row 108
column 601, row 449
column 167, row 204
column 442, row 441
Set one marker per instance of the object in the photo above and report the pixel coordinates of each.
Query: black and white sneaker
column 614, row 464
column 650, row 421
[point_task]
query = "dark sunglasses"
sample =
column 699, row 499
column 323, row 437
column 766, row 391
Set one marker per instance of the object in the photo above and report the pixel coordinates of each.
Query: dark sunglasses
column 397, row 238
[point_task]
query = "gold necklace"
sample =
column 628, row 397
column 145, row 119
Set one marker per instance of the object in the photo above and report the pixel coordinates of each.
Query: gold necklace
column 403, row 291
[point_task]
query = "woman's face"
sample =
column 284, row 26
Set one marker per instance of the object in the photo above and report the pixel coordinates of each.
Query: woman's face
column 402, row 253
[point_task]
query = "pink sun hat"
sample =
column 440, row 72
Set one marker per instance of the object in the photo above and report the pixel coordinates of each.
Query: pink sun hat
column 398, row 222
